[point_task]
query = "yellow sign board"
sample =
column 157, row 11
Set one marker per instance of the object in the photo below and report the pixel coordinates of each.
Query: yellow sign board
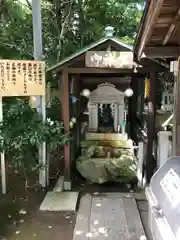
column 22, row 78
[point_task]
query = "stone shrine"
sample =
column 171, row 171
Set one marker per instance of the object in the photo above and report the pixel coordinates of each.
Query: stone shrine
column 107, row 109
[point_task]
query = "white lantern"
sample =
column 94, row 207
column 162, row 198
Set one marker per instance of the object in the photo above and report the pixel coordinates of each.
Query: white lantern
column 129, row 92
column 86, row 92
column 73, row 119
column 71, row 124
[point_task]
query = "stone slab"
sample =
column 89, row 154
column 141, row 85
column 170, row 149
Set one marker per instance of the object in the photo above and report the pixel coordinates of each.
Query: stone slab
column 143, row 211
column 133, row 219
column 60, row 201
column 106, row 136
column 108, row 216
column 81, row 230
column 133, row 195
column 108, row 220
column 59, row 187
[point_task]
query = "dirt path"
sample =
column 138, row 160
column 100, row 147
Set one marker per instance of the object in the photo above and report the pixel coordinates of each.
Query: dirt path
column 20, row 218
column 45, row 226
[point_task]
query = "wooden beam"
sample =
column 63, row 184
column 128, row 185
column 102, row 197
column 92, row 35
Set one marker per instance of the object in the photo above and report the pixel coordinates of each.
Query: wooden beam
column 162, row 52
column 176, row 112
column 150, row 127
column 148, row 69
column 118, row 80
column 115, row 70
column 153, row 14
column 66, row 118
column 87, row 70
column 172, row 27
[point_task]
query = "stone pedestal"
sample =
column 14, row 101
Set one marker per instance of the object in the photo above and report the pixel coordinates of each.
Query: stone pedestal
column 93, row 117
column 116, row 110
column 106, row 136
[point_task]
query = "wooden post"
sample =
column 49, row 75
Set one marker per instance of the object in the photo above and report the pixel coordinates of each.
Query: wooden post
column 176, row 111
column 77, row 114
column 150, row 127
column 66, row 119
column 133, row 109
column 142, row 99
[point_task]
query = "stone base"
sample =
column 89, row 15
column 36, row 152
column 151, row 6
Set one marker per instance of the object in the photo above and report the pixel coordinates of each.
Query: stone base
column 106, row 136
column 67, row 185
column 60, row 201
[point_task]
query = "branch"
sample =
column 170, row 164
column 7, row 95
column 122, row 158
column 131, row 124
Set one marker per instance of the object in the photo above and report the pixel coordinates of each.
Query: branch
column 51, row 11
column 29, row 4
column 16, row 48
column 24, row 4
column 63, row 27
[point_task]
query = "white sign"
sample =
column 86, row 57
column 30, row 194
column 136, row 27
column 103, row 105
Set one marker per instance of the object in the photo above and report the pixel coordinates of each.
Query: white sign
column 171, row 186
column 109, row 59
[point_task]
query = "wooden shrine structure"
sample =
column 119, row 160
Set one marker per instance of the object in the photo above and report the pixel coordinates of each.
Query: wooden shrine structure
column 106, row 61
column 159, row 38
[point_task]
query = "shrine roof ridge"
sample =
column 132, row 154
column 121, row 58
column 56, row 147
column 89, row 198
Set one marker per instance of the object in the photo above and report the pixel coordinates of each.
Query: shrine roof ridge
column 88, row 48
column 106, row 84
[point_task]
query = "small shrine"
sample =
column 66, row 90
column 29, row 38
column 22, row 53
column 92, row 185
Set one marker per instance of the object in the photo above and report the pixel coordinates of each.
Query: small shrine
column 106, row 109
column 106, row 146
column 95, row 85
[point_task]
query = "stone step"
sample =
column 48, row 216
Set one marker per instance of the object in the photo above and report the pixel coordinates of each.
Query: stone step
column 108, row 216
column 60, row 201
column 106, row 136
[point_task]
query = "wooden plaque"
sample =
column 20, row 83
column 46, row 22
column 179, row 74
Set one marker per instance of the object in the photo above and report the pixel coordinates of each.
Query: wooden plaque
column 109, row 59
column 22, row 78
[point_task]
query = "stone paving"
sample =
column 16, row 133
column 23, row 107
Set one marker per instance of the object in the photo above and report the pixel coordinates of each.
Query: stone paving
column 143, row 210
column 111, row 216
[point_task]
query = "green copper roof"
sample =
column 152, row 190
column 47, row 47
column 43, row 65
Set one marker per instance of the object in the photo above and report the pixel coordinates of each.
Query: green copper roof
column 91, row 46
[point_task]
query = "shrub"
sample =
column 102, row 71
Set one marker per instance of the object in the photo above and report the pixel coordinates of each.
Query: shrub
column 22, row 132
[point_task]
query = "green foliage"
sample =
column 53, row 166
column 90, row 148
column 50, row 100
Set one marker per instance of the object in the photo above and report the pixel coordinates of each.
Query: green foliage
column 16, row 38
column 23, row 131
column 67, row 25
column 54, row 112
